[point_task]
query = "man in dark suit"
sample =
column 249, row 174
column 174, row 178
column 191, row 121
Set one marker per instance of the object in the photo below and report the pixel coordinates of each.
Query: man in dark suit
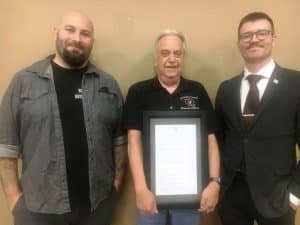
column 259, row 112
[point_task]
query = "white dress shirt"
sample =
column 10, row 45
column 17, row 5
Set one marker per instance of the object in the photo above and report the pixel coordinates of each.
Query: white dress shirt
column 266, row 73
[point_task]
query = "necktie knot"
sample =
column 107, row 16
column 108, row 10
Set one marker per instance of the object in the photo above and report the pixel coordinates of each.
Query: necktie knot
column 253, row 79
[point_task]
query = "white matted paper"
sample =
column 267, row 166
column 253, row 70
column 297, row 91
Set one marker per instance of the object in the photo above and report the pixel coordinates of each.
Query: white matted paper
column 176, row 164
column 175, row 156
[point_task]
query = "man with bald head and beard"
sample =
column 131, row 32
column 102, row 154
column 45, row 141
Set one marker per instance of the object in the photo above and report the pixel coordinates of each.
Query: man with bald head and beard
column 63, row 117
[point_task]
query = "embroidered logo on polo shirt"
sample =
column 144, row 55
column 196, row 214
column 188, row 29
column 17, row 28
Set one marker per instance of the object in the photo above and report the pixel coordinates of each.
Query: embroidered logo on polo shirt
column 189, row 102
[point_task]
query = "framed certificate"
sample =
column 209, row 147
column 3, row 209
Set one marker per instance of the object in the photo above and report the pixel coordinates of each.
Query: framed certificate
column 175, row 156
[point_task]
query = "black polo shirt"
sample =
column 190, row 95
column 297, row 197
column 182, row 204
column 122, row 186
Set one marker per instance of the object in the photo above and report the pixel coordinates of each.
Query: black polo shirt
column 150, row 95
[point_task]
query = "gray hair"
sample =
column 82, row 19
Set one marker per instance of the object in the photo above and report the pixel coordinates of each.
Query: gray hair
column 169, row 32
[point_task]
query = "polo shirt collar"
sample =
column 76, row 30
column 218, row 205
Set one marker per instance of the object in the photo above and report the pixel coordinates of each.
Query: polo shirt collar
column 181, row 87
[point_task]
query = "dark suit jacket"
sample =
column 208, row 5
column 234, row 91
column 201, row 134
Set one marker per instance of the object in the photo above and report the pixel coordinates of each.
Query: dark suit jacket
column 269, row 145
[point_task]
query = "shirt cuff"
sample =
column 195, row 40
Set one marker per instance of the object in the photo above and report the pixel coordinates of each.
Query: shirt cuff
column 9, row 151
column 294, row 200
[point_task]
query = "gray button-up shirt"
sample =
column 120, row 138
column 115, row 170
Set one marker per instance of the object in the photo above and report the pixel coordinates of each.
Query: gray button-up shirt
column 30, row 127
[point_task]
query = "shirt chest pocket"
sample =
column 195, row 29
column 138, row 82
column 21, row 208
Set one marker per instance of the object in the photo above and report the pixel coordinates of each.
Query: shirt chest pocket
column 106, row 105
column 35, row 103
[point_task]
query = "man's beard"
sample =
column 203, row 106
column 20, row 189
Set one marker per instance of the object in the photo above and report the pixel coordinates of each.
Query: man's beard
column 74, row 60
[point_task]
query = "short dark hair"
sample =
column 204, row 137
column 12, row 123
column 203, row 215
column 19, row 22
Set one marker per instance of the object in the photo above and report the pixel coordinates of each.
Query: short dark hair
column 256, row 16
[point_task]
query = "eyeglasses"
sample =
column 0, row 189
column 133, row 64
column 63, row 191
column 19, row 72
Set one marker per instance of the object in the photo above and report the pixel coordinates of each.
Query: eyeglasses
column 260, row 35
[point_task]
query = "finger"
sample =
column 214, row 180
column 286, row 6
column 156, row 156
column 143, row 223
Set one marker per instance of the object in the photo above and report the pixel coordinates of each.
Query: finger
column 203, row 203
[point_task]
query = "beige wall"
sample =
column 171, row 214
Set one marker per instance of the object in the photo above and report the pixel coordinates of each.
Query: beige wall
column 125, row 30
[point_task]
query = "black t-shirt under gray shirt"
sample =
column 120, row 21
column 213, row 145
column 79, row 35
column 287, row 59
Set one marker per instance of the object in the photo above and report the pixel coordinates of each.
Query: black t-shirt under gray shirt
column 68, row 89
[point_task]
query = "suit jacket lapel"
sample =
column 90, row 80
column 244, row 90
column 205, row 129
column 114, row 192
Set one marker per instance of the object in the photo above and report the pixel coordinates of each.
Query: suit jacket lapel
column 237, row 101
column 274, row 81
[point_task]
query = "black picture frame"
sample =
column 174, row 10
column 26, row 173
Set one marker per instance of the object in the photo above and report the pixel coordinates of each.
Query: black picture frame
column 151, row 121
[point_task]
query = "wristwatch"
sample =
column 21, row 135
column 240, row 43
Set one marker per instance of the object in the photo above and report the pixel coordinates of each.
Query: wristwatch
column 215, row 179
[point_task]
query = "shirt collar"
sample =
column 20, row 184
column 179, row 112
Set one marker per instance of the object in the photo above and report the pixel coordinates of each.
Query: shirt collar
column 182, row 84
column 43, row 68
column 266, row 71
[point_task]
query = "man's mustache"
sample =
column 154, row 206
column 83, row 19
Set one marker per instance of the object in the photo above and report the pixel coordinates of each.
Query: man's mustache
column 255, row 45
column 76, row 44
